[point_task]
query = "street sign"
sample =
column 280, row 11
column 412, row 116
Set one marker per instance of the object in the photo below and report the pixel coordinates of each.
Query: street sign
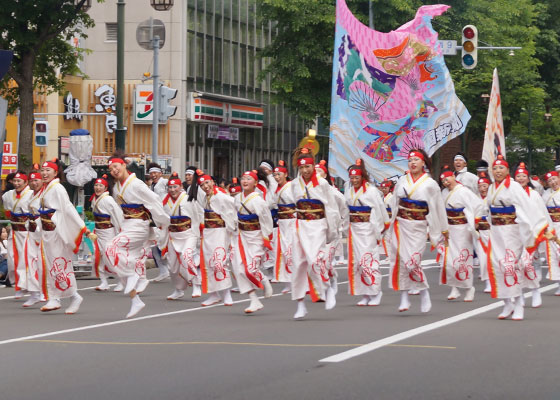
column 7, row 148
column 9, row 164
column 448, row 47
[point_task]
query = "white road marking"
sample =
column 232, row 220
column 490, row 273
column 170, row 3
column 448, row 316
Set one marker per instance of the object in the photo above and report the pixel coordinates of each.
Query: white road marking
column 124, row 321
column 358, row 351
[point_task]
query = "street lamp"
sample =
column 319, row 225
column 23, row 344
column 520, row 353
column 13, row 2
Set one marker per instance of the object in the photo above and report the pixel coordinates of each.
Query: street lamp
column 161, row 5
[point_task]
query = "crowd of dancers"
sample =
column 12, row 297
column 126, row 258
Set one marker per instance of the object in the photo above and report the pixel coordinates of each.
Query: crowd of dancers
column 266, row 227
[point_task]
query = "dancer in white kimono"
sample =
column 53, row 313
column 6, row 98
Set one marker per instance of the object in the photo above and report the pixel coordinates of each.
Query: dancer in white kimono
column 286, row 227
column 317, row 224
column 220, row 224
column 483, row 229
column 108, row 218
column 552, row 202
column 464, row 209
column 254, row 236
column 33, row 248
column 417, row 209
column 15, row 201
column 62, row 232
column 159, row 187
column 335, row 245
column 181, row 239
column 530, row 268
column 515, row 225
column 386, row 188
column 128, row 250
column 462, row 175
column 368, row 220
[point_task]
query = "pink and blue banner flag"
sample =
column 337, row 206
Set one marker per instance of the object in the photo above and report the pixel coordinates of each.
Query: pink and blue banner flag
column 391, row 92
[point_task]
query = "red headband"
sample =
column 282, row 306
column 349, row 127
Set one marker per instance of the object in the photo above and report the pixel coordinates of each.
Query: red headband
column 204, row 178
column 500, row 161
column 521, row 171
column 116, row 161
column 386, row 183
column 355, row 172
column 50, row 164
column 234, row 189
column 21, row 176
column 445, row 174
column 416, row 154
column 174, row 181
column 551, row 174
column 102, row 181
column 35, row 175
column 323, row 167
column 252, row 174
column 281, row 169
column 483, row 180
column 306, row 161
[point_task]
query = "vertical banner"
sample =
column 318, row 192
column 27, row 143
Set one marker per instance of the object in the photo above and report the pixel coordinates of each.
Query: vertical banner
column 391, row 92
column 494, row 138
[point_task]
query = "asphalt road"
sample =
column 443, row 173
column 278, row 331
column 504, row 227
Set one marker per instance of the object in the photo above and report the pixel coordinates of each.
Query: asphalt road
column 179, row 350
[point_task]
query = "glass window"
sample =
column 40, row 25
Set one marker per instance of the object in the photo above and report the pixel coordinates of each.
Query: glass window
column 191, row 42
column 235, row 64
column 208, row 59
column 243, row 31
column 217, row 60
column 200, row 57
column 210, row 24
column 235, row 10
column 243, row 56
column 191, row 18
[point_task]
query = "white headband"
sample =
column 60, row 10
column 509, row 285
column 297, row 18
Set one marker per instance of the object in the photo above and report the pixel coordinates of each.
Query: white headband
column 557, row 168
column 266, row 165
column 482, row 169
column 189, row 172
column 154, row 169
column 459, row 157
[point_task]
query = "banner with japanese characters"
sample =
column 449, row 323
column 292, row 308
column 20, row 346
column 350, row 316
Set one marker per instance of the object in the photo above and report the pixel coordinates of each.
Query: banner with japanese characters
column 391, row 92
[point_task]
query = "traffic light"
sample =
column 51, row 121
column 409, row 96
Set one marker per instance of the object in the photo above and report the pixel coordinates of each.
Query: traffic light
column 470, row 47
column 165, row 109
column 41, row 133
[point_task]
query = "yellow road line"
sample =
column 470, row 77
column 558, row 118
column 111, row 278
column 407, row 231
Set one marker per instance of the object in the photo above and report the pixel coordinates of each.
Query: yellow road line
column 221, row 343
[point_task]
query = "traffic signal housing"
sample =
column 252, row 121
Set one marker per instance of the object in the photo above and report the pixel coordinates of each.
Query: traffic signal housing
column 469, row 52
column 165, row 109
column 41, row 133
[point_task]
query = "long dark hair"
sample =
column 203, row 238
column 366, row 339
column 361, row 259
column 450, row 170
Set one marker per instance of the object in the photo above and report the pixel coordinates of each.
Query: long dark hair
column 193, row 188
column 262, row 175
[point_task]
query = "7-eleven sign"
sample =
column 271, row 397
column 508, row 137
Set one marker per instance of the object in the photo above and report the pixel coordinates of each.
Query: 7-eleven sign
column 143, row 104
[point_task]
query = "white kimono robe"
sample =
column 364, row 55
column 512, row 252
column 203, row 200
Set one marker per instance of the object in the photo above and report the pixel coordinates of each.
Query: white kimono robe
column 285, row 233
column 216, row 242
column 552, row 201
column 481, row 245
column 457, row 260
column 33, row 248
column 249, row 253
column 507, row 242
column 467, row 179
column 364, row 275
column 57, row 245
column 105, row 206
column 532, row 275
column 268, row 194
column 409, row 236
column 386, row 241
column 310, row 255
column 180, row 247
column 333, row 248
column 127, row 252
column 17, row 269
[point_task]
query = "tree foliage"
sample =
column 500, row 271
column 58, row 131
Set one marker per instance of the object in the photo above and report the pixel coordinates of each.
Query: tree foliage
column 299, row 60
column 39, row 34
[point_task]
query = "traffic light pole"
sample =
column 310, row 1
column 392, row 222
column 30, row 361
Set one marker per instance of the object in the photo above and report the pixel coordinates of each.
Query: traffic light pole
column 155, row 96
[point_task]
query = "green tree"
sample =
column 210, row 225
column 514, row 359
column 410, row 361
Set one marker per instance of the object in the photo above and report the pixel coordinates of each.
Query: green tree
column 299, row 60
column 39, row 33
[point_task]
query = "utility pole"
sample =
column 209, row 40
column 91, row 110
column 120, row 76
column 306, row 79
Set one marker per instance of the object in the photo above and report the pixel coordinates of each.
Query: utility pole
column 120, row 133
column 371, row 15
column 155, row 94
